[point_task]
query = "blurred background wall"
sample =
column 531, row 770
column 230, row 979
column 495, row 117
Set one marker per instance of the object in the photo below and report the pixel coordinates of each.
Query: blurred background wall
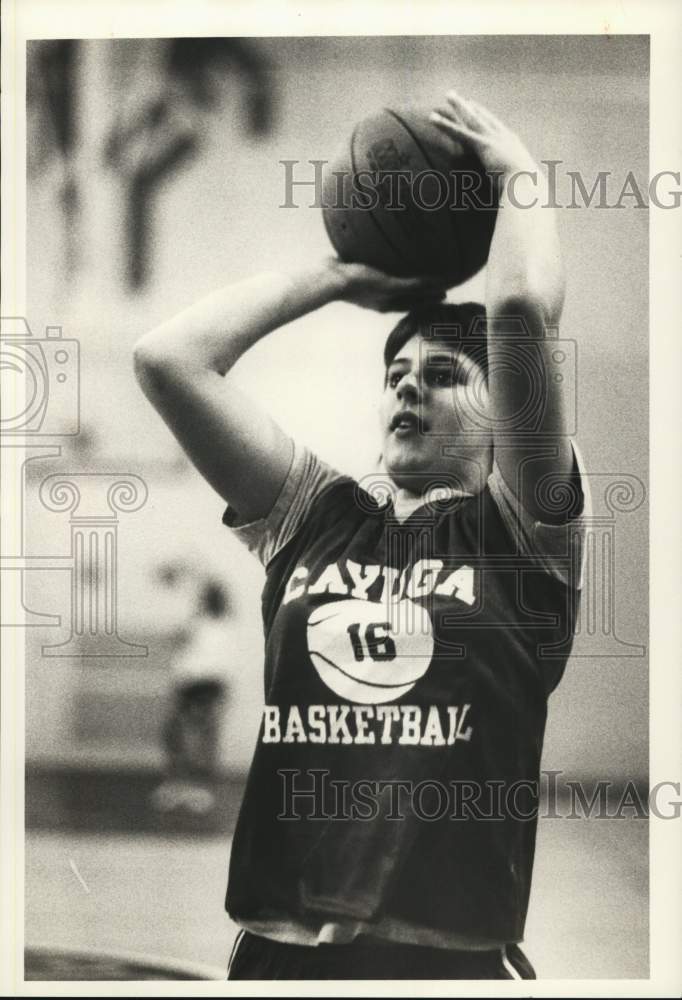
column 154, row 177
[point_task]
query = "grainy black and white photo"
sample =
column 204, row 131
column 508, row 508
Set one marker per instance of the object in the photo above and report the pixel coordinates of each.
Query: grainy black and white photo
column 327, row 439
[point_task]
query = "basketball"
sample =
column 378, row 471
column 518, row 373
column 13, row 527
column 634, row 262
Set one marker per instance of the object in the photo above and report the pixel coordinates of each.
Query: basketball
column 370, row 652
column 406, row 199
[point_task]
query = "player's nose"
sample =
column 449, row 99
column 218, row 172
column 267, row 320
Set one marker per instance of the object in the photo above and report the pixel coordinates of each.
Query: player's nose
column 409, row 388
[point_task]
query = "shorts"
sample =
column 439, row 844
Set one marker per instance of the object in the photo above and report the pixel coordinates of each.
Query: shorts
column 259, row 958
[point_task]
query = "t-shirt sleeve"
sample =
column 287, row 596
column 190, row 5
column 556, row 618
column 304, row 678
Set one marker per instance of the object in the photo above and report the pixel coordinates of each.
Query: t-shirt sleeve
column 307, row 477
column 559, row 548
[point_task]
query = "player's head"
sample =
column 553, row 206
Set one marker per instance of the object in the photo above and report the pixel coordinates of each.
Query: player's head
column 462, row 326
column 435, row 399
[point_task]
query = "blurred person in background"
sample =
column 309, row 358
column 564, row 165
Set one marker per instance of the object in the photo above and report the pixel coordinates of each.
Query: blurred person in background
column 191, row 734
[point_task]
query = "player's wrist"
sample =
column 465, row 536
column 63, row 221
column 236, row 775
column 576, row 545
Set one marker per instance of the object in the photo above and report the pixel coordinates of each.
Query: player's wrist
column 303, row 289
column 337, row 277
column 504, row 168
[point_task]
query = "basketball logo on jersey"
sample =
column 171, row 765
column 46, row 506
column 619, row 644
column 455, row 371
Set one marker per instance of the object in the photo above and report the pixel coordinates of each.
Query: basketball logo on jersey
column 370, row 652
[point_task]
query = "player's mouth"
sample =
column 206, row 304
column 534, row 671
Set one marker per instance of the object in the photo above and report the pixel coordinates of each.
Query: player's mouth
column 407, row 422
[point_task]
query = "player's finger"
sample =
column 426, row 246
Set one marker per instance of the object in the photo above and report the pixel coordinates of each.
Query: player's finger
column 422, row 284
column 447, row 114
column 455, row 129
column 462, row 108
column 485, row 114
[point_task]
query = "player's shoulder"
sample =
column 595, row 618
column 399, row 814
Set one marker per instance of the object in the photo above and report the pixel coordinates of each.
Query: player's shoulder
column 556, row 547
column 312, row 489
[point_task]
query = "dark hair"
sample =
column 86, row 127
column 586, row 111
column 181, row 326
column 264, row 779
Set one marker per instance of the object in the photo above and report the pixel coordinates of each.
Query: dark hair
column 463, row 325
column 213, row 600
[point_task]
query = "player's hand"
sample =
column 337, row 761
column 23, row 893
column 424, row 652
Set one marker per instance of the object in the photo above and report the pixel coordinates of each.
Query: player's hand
column 373, row 289
column 498, row 148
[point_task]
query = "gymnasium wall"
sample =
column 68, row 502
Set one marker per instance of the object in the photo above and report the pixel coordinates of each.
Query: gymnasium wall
column 216, row 219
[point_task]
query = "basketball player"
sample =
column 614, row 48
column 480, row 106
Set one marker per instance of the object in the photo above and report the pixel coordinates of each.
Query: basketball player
column 404, row 663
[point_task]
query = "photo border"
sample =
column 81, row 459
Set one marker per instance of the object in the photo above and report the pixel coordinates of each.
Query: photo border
column 662, row 21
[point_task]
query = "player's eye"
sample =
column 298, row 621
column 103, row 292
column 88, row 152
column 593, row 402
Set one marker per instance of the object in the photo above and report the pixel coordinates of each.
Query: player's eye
column 442, row 376
column 393, row 379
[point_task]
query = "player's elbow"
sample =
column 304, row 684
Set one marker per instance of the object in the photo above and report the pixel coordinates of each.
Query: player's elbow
column 528, row 307
column 155, row 366
column 145, row 359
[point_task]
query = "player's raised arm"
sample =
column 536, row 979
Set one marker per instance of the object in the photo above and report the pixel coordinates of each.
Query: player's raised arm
column 525, row 280
column 185, row 369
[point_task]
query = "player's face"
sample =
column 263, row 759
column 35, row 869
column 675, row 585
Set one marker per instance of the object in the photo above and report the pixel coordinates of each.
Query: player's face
column 433, row 415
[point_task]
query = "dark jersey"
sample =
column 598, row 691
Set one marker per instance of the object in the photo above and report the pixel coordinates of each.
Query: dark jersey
column 407, row 669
